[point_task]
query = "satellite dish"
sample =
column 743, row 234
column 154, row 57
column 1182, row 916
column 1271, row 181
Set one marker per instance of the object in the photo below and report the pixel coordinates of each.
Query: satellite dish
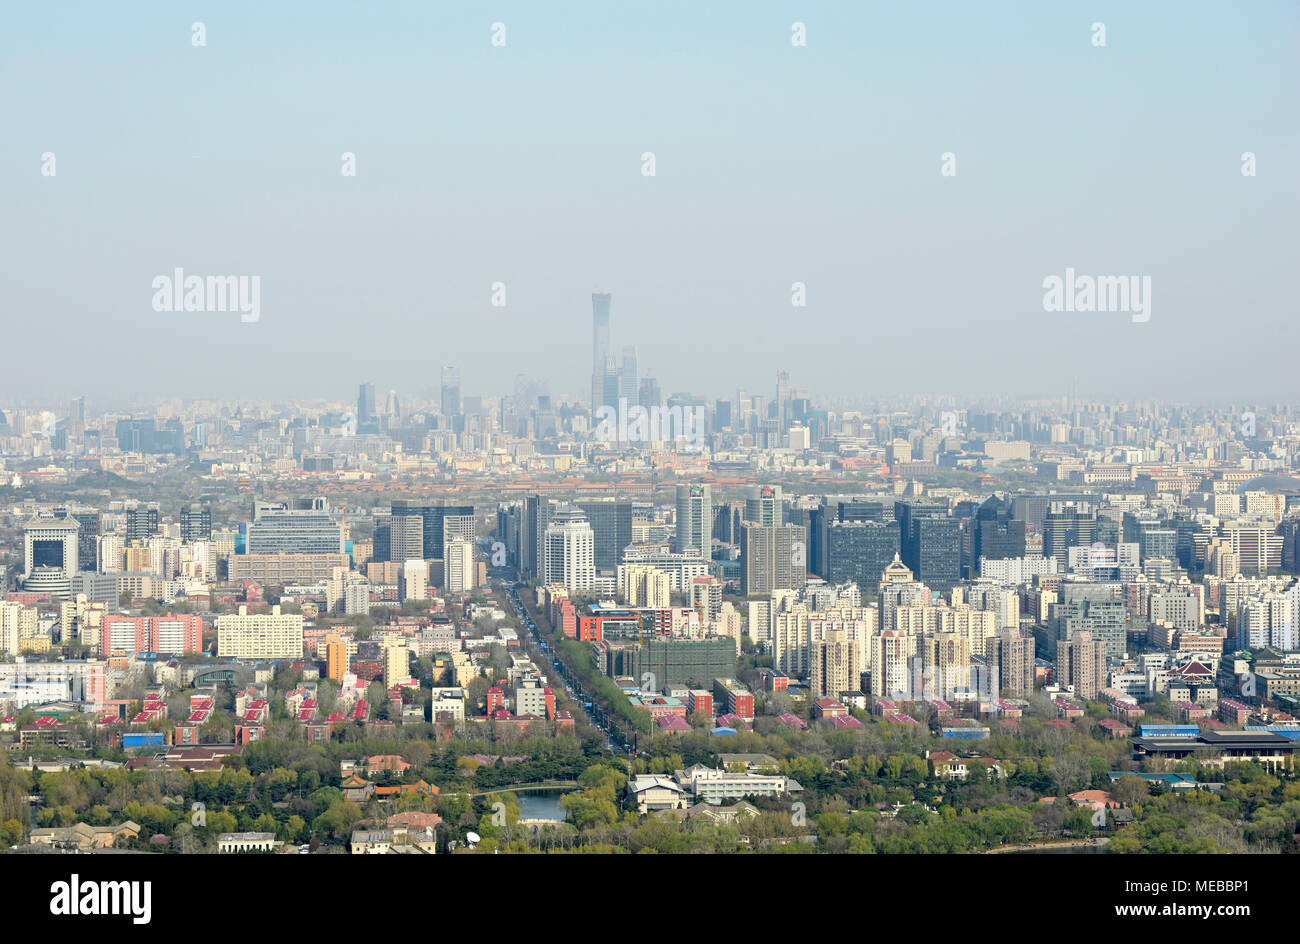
column 473, row 837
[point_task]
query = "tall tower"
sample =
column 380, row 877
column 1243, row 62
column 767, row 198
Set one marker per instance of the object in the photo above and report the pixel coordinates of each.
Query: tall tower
column 695, row 519
column 600, row 352
column 450, row 391
column 366, row 403
column 782, row 400
column 628, row 384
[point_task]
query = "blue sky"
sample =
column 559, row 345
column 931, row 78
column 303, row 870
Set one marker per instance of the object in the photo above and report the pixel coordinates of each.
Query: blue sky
column 774, row 164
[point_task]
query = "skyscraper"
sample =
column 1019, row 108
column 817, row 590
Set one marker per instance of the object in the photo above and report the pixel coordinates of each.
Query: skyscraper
column 695, row 519
column 772, row 557
column 142, row 521
column 532, row 535
column 611, row 524
column 196, row 522
column 399, row 538
column 1067, row 525
column 859, row 551
column 569, row 549
column 628, row 385
column 435, row 529
column 451, row 409
column 931, row 542
column 366, row 403
column 782, row 399
column 599, row 347
column 650, row 393
column 998, row 535
column 763, row 505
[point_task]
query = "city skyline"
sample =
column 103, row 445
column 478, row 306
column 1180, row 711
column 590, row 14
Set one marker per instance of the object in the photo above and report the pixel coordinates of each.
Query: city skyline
column 736, row 428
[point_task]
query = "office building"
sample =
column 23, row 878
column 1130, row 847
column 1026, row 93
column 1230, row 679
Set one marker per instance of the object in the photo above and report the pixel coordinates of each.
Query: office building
column 303, row 526
column 278, row 570
column 859, row 551
column 611, row 524
column 998, row 534
column 366, row 405
column 629, row 387
column 399, row 537
column 196, row 522
column 763, row 505
column 930, row 541
column 450, row 402
column 440, row 523
column 1067, row 525
column 51, row 543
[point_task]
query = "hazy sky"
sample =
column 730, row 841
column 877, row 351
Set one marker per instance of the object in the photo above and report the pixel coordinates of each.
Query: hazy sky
column 774, row 164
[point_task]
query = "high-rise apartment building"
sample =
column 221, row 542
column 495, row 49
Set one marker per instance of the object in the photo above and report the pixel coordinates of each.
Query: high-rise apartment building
column 413, row 580
column 246, row 635
column 891, row 654
column 1081, row 664
column 695, row 519
column 569, row 548
column 1011, row 659
column 458, row 566
column 947, row 664
column 174, row 634
column 835, row 665
column 772, row 558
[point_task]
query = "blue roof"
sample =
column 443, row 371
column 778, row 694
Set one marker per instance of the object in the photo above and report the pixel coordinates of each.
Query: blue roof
column 724, row 731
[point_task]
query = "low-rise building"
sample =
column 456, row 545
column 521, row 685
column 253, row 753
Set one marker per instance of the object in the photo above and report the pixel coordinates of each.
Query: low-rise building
column 247, row 842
